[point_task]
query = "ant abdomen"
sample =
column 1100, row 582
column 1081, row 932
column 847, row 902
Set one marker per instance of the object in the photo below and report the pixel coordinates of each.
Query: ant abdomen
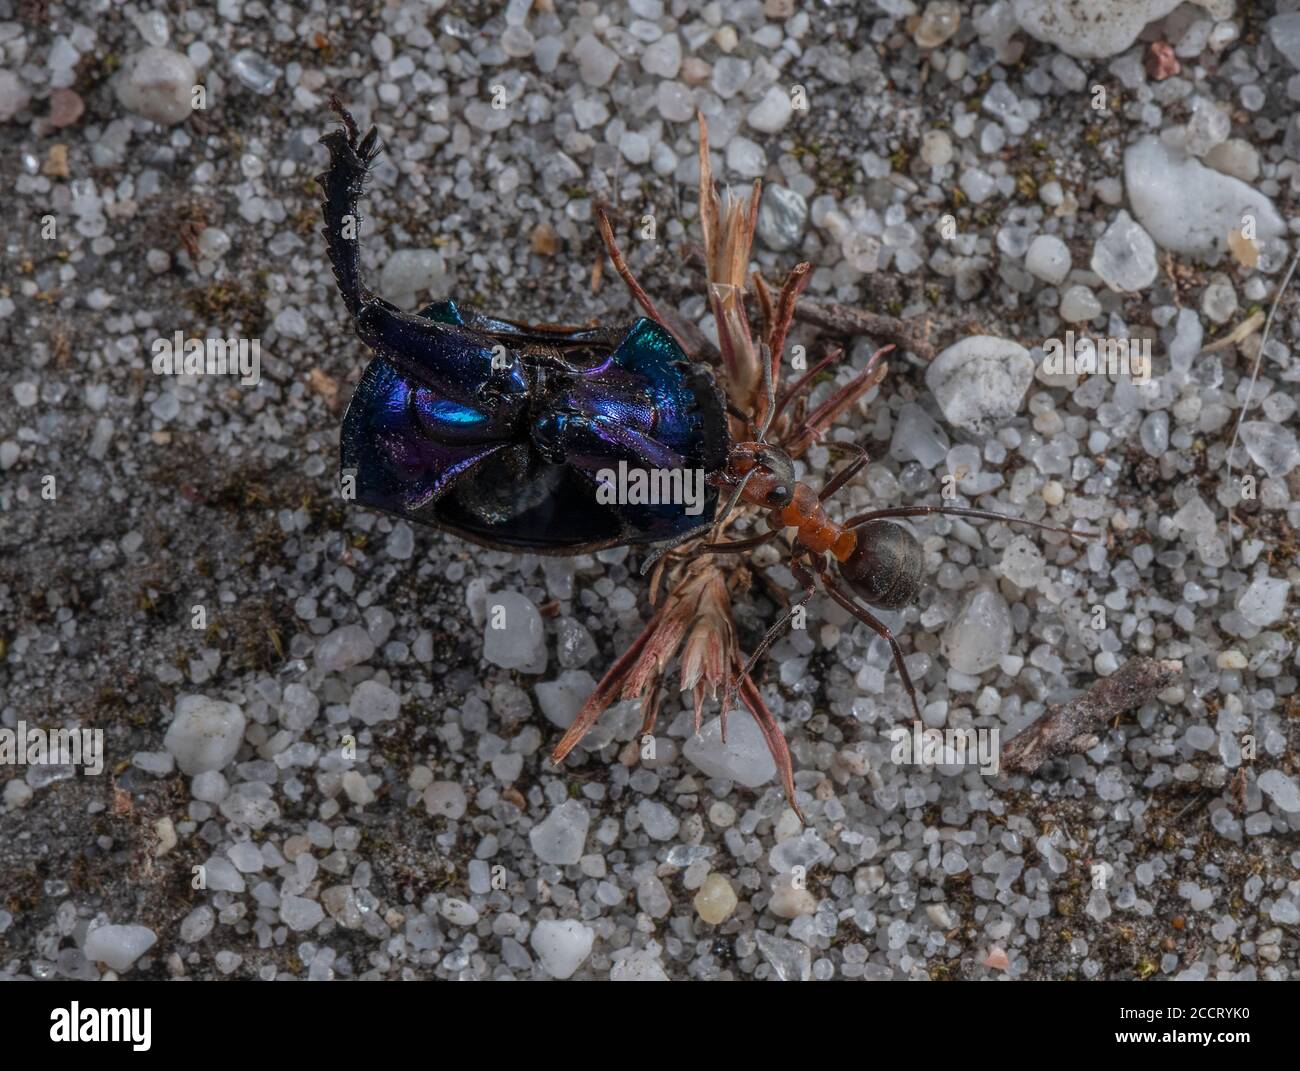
column 886, row 565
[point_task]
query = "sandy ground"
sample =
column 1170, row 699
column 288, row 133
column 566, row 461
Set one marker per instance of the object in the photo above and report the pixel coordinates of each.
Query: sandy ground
column 443, row 844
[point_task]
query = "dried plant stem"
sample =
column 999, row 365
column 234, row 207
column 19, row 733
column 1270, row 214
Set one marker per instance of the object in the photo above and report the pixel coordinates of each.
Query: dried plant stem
column 816, row 422
column 847, row 320
column 693, row 620
column 1075, row 726
column 771, row 730
column 625, row 273
column 1254, row 374
column 609, row 688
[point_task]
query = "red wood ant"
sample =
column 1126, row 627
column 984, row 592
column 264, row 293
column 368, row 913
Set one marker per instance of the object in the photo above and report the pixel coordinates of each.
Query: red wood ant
column 878, row 561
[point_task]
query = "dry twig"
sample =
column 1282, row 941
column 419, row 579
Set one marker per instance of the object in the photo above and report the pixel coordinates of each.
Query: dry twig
column 1075, row 725
column 847, row 320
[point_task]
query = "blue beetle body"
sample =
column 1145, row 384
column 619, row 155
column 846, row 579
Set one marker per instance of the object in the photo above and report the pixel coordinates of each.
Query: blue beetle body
column 495, row 430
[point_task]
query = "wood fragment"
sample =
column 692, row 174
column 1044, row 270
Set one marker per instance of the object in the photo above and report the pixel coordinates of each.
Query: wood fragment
column 1240, row 333
column 1076, row 725
column 847, row 320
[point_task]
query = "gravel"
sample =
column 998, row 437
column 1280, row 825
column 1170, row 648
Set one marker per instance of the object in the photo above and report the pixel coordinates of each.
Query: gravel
column 118, row 947
column 205, row 734
column 980, row 382
column 327, row 730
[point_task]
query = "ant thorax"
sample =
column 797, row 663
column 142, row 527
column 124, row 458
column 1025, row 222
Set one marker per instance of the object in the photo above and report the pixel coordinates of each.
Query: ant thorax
column 764, row 475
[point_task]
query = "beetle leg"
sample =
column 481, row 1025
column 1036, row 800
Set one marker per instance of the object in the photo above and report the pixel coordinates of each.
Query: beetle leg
column 620, row 265
column 593, row 444
column 350, row 158
column 454, row 362
column 625, row 273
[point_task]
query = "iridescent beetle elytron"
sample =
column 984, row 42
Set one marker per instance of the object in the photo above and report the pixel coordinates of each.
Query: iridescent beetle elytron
column 496, row 430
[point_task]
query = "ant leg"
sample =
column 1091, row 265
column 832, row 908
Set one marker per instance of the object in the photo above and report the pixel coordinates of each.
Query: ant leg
column 737, row 546
column 809, row 582
column 959, row 511
column 862, row 614
column 732, row 546
column 845, row 474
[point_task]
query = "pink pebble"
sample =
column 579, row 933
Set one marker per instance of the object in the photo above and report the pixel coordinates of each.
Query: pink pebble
column 997, row 959
column 66, row 107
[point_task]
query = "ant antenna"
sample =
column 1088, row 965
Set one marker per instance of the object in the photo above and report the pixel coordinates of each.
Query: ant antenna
column 735, row 496
column 769, row 388
column 960, row 511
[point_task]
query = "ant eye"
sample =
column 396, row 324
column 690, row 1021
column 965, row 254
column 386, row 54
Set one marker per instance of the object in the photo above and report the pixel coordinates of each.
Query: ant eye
column 780, row 496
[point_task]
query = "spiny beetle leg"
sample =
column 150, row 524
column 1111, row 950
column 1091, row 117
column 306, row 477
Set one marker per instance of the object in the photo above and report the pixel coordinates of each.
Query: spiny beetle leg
column 344, row 182
column 454, row 363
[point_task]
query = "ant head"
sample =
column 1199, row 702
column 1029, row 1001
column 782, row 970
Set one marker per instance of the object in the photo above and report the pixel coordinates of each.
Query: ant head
column 775, row 480
column 886, row 565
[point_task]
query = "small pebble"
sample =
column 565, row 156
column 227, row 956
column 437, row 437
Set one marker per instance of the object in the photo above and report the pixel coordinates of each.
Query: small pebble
column 716, row 900
column 157, row 84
